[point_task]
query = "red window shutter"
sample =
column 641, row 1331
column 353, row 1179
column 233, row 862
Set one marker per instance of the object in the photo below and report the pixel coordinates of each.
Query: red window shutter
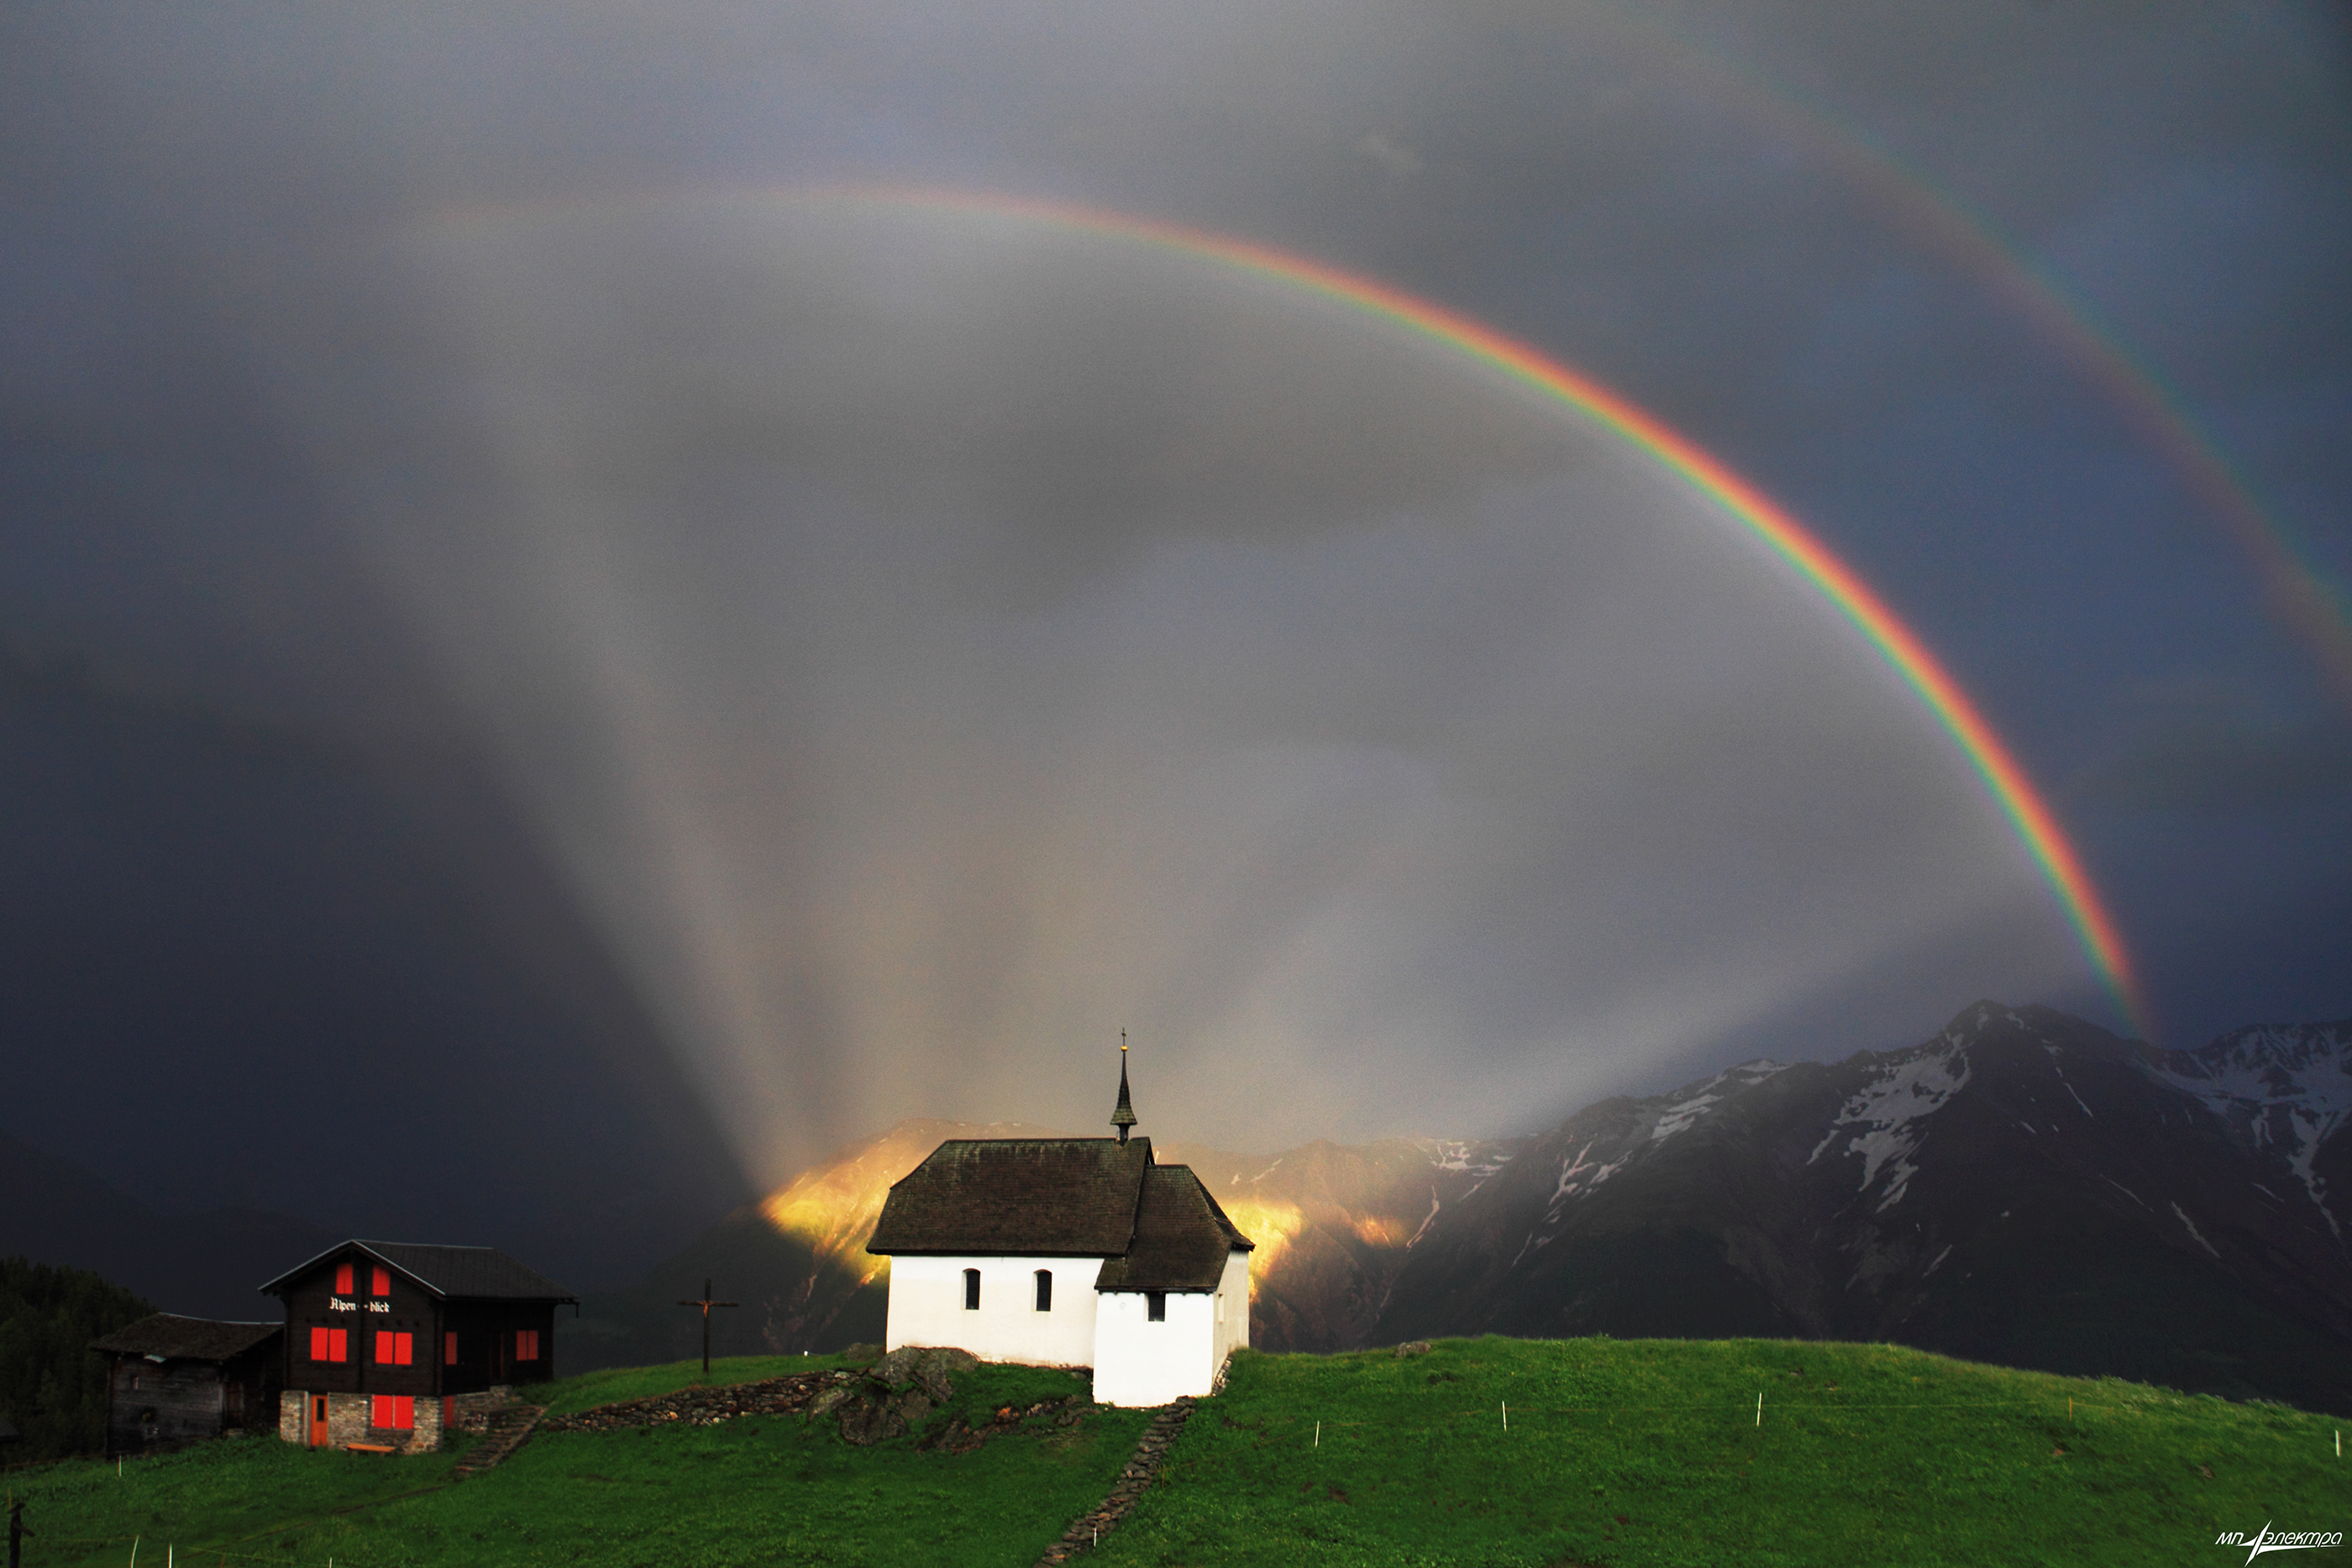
column 383, row 1347
column 406, row 1346
column 339, row 1344
column 449, row 1348
column 382, row 1282
column 319, row 1345
column 404, row 1412
column 379, row 1411
column 526, row 1345
column 342, row 1279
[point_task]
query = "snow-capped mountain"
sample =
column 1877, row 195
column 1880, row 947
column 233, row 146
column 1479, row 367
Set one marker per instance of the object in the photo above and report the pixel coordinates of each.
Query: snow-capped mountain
column 2024, row 1187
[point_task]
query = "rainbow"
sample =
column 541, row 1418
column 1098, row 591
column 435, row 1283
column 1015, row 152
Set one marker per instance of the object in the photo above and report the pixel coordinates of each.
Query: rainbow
column 2036, row 828
column 2296, row 594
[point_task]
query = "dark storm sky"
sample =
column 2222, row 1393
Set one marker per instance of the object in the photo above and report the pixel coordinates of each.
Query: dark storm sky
column 531, row 631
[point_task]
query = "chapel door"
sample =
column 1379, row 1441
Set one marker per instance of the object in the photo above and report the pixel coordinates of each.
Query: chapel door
column 318, row 1420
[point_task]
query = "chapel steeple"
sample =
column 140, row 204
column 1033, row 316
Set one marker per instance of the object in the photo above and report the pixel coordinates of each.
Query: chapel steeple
column 1124, row 1117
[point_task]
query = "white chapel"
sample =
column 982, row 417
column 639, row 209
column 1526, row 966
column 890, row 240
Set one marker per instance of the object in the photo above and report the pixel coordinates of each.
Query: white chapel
column 1069, row 1252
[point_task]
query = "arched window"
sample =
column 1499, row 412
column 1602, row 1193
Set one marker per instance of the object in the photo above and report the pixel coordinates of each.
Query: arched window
column 1044, row 1290
column 971, row 1289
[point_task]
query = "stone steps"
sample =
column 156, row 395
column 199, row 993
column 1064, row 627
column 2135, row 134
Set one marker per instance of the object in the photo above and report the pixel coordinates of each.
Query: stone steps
column 1141, row 1472
column 511, row 1428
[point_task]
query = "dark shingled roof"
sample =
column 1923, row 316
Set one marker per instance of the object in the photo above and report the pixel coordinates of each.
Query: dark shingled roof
column 1181, row 1237
column 473, row 1273
column 186, row 1338
column 1043, row 1197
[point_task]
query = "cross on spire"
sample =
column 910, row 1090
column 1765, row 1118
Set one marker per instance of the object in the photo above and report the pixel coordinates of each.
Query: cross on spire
column 1124, row 1117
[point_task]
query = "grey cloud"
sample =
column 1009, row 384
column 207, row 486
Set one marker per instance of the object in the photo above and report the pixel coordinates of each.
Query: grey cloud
column 2216, row 753
column 924, row 642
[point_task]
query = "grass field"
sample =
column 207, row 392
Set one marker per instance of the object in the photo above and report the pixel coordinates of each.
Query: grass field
column 1645, row 1452
column 763, row 1491
column 1618, row 1454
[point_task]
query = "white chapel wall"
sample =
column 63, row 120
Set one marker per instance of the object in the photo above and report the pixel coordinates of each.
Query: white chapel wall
column 927, row 1296
column 1138, row 1362
column 1231, row 1311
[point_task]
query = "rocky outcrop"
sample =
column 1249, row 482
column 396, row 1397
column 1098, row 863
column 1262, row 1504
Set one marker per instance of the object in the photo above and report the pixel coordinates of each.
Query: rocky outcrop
column 895, row 1394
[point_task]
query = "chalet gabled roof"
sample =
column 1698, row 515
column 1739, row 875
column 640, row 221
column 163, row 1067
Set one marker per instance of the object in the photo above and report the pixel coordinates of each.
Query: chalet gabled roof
column 1044, row 1198
column 186, row 1338
column 470, row 1273
column 1181, row 1237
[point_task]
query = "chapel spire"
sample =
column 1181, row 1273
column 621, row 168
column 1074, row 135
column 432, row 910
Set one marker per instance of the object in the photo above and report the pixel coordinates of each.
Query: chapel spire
column 1124, row 1117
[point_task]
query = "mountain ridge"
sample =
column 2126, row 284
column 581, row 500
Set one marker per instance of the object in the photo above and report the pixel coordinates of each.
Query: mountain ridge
column 2014, row 1188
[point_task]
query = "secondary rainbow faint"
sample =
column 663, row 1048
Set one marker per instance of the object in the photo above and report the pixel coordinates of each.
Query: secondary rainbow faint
column 2029, row 816
column 2303, row 599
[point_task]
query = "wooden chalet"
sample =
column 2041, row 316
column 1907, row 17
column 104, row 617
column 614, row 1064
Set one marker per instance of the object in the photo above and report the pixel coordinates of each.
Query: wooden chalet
column 383, row 1337
column 175, row 1381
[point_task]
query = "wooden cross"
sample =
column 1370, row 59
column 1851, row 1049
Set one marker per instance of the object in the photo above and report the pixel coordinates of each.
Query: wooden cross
column 706, row 1303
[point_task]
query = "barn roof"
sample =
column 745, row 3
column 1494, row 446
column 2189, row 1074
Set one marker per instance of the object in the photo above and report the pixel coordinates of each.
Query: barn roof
column 186, row 1338
column 1181, row 1237
column 1044, row 1198
column 471, row 1273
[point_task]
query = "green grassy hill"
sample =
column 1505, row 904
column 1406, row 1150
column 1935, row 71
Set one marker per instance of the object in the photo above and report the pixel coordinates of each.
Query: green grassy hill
column 1618, row 1452
column 1652, row 1452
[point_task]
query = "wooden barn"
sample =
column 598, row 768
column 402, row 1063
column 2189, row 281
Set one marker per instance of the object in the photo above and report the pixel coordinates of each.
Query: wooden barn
column 382, row 1337
column 175, row 1381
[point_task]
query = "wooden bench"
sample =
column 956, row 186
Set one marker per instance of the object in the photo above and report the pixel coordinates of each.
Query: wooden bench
column 370, row 1449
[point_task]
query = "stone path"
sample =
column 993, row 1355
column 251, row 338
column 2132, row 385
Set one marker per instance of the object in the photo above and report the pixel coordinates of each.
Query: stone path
column 1141, row 1472
column 511, row 1428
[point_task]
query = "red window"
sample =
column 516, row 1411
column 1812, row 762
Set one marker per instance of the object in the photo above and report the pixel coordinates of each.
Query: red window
column 330, row 1345
column 526, row 1345
column 393, row 1349
column 342, row 1279
column 449, row 1348
column 394, row 1412
column 382, row 1282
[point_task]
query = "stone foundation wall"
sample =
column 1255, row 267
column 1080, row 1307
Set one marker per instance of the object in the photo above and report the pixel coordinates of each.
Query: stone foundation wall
column 427, row 1438
column 347, row 1422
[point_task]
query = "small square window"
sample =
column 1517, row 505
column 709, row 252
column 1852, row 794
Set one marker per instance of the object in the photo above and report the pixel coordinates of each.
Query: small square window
column 1155, row 1306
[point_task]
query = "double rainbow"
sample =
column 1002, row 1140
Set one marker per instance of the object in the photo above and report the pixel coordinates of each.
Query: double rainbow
column 2028, row 815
